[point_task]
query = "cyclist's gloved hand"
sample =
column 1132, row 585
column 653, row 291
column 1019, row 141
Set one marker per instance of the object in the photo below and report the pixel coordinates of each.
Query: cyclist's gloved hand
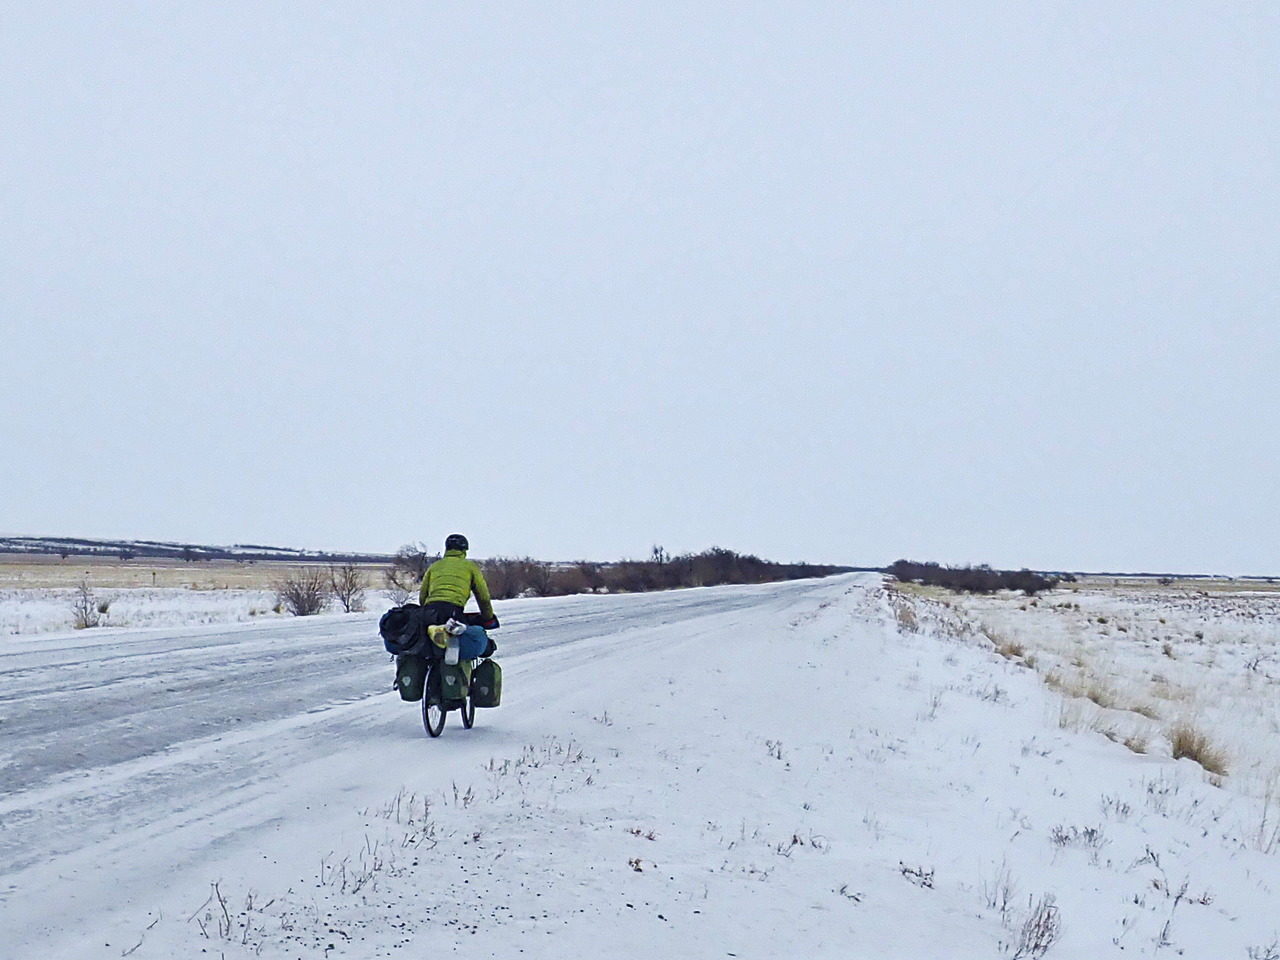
column 491, row 623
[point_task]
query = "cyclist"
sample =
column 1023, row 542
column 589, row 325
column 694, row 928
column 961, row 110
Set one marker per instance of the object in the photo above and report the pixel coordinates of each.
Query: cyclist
column 450, row 581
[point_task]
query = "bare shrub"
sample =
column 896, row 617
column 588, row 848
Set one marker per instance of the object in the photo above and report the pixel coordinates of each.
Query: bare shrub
column 516, row 576
column 1011, row 649
column 1115, row 808
column 1076, row 715
column 1056, row 680
column 1039, row 931
column 921, row 876
column 708, row 568
column 1085, row 837
column 998, row 892
column 905, row 614
column 407, row 567
column 1137, row 742
column 591, row 574
column 347, row 583
column 1186, row 741
column 631, row 576
column 501, row 574
column 86, row 610
column 538, row 575
column 1101, row 694
column 718, row 565
column 980, row 579
column 1162, row 689
column 510, row 577
column 303, row 592
column 1267, row 838
column 569, row 580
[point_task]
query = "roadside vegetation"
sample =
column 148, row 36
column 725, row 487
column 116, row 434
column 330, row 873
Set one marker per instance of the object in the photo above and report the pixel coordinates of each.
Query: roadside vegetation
column 41, row 593
column 306, row 591
column 979, row 579
column 1188, row 671
column 87, row 610
column 510, row 577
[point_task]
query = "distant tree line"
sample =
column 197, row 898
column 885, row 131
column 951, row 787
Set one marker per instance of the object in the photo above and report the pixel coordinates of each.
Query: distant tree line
column 189, row 552
column 979, row 579
column 526, row 577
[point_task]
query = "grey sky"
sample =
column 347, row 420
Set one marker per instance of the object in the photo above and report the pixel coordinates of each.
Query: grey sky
column 850, row 281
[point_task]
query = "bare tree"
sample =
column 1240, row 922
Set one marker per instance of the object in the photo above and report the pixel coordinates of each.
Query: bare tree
column 503, row 576
column 538, row 575
column 517, row 576
column 568, row 580
column 86, row 609
column 303, row 592
column 406, row 570
column 347, row 584
column 592, row 577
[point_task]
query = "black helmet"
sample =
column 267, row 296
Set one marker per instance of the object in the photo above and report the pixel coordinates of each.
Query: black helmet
column 456, row 541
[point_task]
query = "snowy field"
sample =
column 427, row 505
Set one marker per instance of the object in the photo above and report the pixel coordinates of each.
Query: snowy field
column 49, row 609
column 758, row 772
column 37, row 595
column 1140, row 661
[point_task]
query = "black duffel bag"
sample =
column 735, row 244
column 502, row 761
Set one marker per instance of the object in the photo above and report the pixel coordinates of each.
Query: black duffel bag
column 403, row 629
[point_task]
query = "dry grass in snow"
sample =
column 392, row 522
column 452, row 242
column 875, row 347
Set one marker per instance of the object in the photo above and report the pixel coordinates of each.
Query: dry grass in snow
column 1185, row 671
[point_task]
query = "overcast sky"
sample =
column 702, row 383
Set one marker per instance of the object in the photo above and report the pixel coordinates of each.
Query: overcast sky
column 839, row 281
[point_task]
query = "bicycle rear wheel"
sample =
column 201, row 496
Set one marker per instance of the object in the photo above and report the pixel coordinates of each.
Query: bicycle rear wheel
column 468, row 711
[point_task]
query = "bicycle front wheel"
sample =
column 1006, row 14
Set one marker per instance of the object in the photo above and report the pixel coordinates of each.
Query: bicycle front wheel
column 433, row 711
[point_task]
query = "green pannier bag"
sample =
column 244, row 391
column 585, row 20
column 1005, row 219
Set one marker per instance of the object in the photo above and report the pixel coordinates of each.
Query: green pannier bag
column 411, row 671
column 454, row 680
column 486, row 684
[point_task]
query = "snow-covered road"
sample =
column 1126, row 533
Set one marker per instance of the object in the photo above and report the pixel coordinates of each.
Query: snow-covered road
column 95, row 700
column 106, row 733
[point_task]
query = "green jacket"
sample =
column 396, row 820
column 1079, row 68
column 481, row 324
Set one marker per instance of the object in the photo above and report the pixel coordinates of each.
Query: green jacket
column 452, row 578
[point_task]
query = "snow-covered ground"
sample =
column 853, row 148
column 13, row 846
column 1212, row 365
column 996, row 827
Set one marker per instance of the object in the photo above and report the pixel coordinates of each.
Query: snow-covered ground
column 31, row 610
column 47, row 610
column 742, row 771
column 1144, row 660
